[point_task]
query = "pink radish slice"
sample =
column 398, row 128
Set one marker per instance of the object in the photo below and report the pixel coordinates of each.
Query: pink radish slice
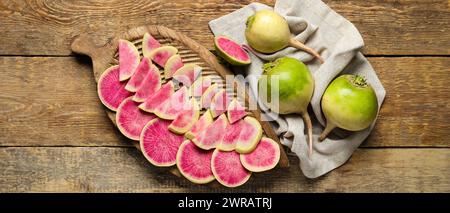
column 204, row 121
column 151, row 84
column 228, row 170
column 158, row 144
column 130, row 119
column 158, row 97
column 149, row 44
column 172, row 65
column 231, row 136
column 187, row 74
column 186, row 119
column 139, row 76
column 170, row 108
column 194, row 163
column 128, row 59
column 212, row 135
column 199, row 86
column 110, row 90
column 208, row 95
column 249, row 136
column 160, row 55
column 219, row 103
column 264, row 157
column 235, row 111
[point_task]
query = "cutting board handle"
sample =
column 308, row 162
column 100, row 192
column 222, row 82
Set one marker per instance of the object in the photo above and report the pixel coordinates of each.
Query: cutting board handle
column 83, row 44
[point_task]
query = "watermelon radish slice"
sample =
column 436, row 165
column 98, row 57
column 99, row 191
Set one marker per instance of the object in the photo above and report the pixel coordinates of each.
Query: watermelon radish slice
column 231, row 136
column 235, row 111
column 187, row 74
column 264, row 157
column 110, row 90
column 204, row 121
column 128, row 59
column 250, row 135
column 149, row 86
column 158, row 144
column 160, row 55
column 207, row 96
column 211, row 135
column 231, row 51
column 219, row 103
column 186, row 119
column 149, row 44
column 194, row 163
column 130, row 119
column 172, row 65
column 158, row 97
column 170, row 108
column 227, row 169
column 139, row 76
column 199, row 86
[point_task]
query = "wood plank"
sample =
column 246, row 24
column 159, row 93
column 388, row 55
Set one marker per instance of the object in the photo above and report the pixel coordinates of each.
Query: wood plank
column 52, row 101
column 412, row 27
column 99, row 169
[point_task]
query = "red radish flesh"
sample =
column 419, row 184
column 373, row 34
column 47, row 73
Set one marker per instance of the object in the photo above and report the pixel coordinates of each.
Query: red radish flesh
column 212, row 135
column 130, row 119
column 231, row 136
column 194, row 163
column 149, row 44
column 187, row 74
column 264, row 157
column 158, row 97
column 172, row 65
column 199, row 86
column 219, row 103
column 160, row 55
column 235, row 111
column 139, row 76
column 158, row 144
column 170, row 108
column 204, row 121
column 228, row 170
column 249, row 136
column 208, row 95
column 186, row 119
column 151, row 84
column 128, row 59
column 110, row 90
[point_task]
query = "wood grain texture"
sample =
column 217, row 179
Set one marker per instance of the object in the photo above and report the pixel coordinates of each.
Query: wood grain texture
column 46, row 27
column 100, row 169
column 52, row 101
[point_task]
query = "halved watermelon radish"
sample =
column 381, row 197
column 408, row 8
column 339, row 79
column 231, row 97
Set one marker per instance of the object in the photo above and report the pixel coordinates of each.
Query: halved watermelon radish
column 187, row 74
column 149, row 44
column 186, row 119
column 128, row 59
column 211, row 135
column 207, row 96
column 199, row 86
column 158, row 144
column 231, row 51
column 250, row 135
column 219, row 103
column 231, row 136
column 227, row 168
column 110, row 90
column 149, row 86
column 158, row 97
column 170, row 108
column 235, row 111
column 264, row 157
column 130, row 119
column 172, row 65
column 194, row 163
column 139, row 76
column 204, row 121
column 160, row 55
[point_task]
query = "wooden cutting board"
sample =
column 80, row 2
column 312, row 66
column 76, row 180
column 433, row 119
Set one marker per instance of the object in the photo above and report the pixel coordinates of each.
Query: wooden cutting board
column 190, row 51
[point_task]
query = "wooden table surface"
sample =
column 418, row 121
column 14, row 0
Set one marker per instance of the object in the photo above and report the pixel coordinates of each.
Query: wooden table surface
column 55, row 136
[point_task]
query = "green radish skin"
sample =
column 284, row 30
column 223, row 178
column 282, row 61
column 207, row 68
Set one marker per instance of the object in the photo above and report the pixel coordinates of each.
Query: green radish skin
column 267, row 31
column 349, row 103
column 295, row 87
